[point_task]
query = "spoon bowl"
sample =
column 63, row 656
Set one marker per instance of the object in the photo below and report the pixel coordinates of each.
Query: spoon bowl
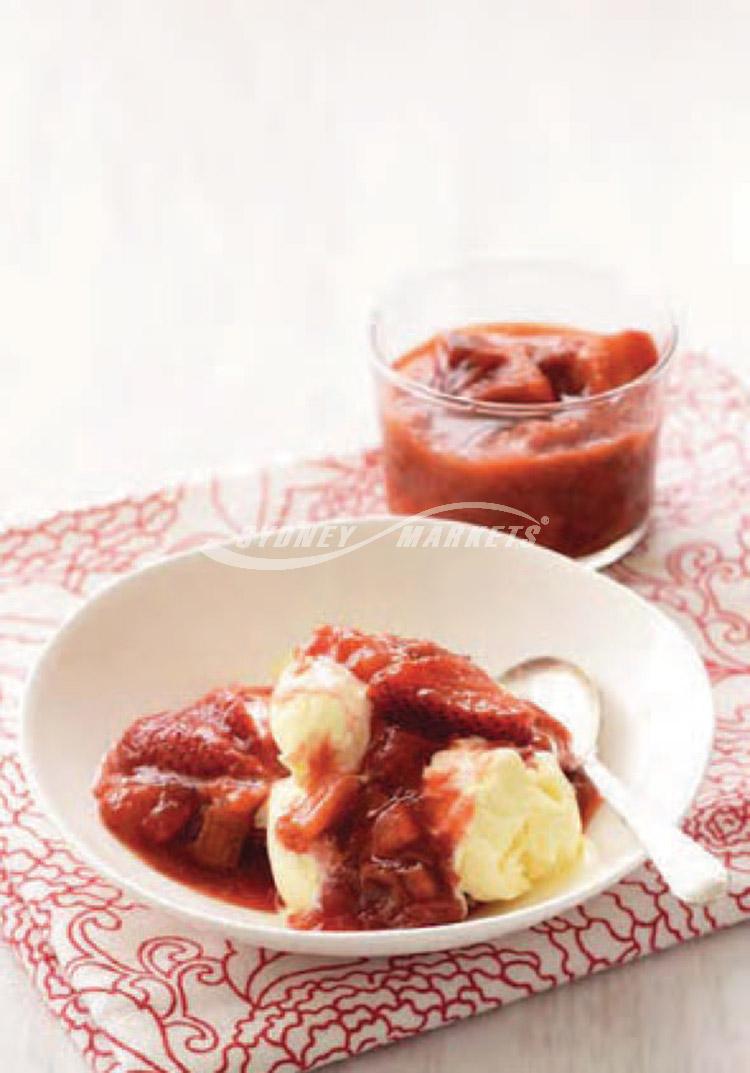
column 565, row 691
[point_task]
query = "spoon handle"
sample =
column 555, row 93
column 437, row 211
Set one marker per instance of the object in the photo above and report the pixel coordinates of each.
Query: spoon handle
column 690, row 872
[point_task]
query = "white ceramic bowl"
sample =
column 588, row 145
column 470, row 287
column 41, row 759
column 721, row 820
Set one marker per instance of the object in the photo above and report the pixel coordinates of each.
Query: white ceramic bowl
column 163, row 635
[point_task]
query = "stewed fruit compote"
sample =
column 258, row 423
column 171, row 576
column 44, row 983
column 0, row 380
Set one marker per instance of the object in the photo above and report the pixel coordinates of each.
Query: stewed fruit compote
column 381, row 782
column 553, row 421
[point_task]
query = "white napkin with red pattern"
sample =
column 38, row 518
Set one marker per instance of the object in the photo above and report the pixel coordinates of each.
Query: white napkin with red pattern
column 139, row 990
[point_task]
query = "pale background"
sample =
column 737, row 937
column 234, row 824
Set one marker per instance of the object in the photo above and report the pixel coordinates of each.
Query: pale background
column 199, row 202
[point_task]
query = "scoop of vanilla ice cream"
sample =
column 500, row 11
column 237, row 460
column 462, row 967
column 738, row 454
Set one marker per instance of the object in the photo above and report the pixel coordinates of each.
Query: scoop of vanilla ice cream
column 298, row 876
column 319, row 704
column 512, row 823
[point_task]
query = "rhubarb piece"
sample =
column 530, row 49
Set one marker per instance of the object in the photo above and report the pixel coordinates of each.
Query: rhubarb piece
column 420, row 882
column 317, row 813
column 477, row 367
column 394, row 829
column 221, row 838
column 226, row 823
column 610, row 361
column 562, row 367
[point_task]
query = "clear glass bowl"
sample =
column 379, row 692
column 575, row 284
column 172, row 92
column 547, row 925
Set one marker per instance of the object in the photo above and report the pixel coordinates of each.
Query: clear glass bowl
column 574, row 475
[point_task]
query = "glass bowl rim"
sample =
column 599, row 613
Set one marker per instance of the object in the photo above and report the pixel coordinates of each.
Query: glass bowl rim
column 514, row 409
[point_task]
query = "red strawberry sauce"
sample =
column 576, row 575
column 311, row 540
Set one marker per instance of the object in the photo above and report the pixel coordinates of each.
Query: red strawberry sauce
column 587, row 470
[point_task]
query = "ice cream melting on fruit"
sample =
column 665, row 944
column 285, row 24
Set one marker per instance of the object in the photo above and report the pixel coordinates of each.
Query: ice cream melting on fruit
column 398, row 785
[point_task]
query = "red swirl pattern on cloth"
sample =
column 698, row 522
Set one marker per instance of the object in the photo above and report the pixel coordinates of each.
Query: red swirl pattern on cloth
column 139, row 991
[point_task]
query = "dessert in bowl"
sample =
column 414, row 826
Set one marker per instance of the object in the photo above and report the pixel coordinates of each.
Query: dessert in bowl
column 163, row 636
column 552, row 411
column 391, row 782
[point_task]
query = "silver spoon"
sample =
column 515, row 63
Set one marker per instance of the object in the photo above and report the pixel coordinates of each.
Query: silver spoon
column 568, row 694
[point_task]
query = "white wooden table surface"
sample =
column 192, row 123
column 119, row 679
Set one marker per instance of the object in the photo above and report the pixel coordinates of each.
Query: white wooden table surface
column 199, row 201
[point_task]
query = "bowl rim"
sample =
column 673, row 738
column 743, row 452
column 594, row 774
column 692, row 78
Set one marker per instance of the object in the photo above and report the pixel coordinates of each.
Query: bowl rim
column 277, row 935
